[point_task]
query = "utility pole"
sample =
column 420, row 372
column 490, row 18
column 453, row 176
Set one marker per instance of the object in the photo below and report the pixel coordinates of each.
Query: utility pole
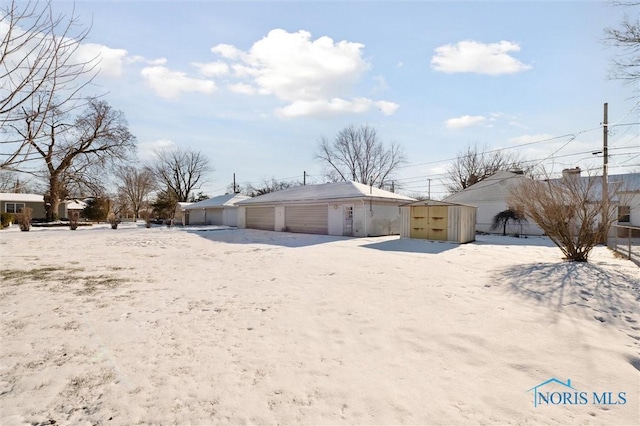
column 304, row 178
column 235, row 188
column 605, row 166
column 429, row 196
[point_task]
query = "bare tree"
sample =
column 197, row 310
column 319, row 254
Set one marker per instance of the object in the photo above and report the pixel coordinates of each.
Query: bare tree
column 267, row 187
column 626, row 37
column 38, row 72
column 475, row 164
column 135, row 185
column 71, row 148
column 569, row 210
column 181, row 171
column 356, row 154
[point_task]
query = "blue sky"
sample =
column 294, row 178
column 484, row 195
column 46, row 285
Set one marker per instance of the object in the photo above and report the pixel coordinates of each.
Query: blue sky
column 255, row 85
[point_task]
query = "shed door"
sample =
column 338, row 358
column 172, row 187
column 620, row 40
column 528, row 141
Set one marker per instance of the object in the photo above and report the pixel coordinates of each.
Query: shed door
column 429, row 222
column 418, row 222
column 261, row 218
column 214, row 216
column 309, row 219
column 437, row 223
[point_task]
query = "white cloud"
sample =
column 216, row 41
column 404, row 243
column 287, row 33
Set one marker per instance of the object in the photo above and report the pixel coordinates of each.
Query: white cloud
column 242, row 88
column 464, row 121
column 227, row 51
column 147, row 150
column 311, row 75
column 170, row 84
column 475, row 57
column 212, row 69
column 110, row 60
column 334, row 106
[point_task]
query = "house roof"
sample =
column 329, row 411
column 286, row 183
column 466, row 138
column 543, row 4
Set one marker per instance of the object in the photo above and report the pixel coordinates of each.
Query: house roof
column 325, row 192
column 493, row 188
column 24, row 198
column 496, row 186
column 226, row 200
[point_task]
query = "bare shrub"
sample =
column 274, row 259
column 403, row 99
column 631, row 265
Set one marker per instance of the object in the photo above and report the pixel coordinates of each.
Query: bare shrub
column 112, row 218
column 74, row 218
column 569, row 210
column 24, row 218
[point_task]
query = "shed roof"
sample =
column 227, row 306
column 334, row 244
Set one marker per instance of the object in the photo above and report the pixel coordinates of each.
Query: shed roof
column 24, row 198
column 227, row 200
column 437, row 203
column 325, row 192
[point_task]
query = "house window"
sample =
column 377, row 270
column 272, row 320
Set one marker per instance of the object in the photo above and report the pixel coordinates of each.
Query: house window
column 13, row 207
column 624, row 214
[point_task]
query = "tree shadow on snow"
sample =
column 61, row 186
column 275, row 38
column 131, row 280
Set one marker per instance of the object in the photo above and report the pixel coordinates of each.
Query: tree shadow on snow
column 407, row 245
column 603, row 294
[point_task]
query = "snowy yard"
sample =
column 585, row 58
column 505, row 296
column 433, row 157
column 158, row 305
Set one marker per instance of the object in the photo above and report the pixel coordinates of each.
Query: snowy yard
column 200, row 326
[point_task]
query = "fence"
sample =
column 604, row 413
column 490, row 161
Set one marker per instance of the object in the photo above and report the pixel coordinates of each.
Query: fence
column 626, row 241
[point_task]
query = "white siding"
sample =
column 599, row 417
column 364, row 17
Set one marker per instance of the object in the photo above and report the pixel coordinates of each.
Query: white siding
column 385, row 219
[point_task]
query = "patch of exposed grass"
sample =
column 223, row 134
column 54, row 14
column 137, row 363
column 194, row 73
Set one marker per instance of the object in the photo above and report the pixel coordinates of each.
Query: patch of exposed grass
column 19, row 276
column 60, row 279
column 92, row 285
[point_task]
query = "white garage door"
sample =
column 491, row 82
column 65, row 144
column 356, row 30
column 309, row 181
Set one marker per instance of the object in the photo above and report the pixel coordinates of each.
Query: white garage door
column 214, row 216
column 313, row 219
column 261, row 218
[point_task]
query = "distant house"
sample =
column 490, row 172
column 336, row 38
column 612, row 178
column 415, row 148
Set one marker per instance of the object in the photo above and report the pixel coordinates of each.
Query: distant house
column 179, row 215
column 14, row 203
column 439, row 220
column 490, row 196
column 343, row 208
column 221, row 210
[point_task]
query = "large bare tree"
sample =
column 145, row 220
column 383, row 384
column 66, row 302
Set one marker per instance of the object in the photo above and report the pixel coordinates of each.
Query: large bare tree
column 135, row 185
column 357, row 154
column 627, row 38
column 569, row 210
column 75, row 149
column 476, row 164
column 39, row 72
column 181, row 171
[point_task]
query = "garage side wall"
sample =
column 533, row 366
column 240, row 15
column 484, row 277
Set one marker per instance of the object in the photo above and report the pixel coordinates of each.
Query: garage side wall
column 384, row 219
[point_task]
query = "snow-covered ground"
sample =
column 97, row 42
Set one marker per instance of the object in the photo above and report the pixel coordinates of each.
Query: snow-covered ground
column 202, row 326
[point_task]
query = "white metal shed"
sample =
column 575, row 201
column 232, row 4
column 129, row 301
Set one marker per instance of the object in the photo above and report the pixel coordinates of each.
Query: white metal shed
column 439, row 220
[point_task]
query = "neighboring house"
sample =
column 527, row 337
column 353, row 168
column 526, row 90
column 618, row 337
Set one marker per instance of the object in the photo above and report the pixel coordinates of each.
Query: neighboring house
column 439, row 220
column 15, row 203
column 491, row 195
column 70, row 206
column 179, row 216
column 220, row 210
column 343, row 208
